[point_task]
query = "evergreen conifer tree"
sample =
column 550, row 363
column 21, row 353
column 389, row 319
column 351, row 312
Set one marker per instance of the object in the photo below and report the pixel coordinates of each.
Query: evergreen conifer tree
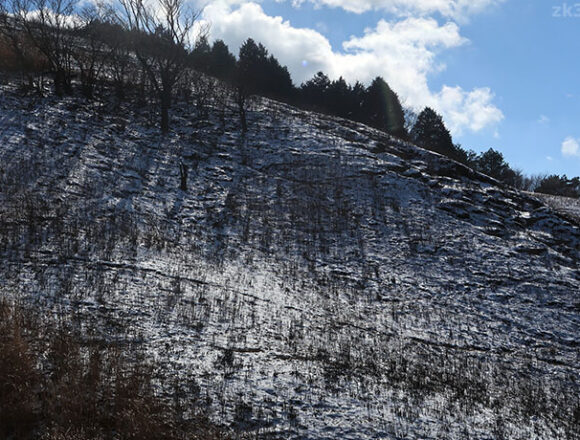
column 430, row 132
column 222, row 62
column 382, row 109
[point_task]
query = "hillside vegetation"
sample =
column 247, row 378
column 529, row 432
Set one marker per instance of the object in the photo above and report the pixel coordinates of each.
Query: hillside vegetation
column 310, row 278
column 161, row 48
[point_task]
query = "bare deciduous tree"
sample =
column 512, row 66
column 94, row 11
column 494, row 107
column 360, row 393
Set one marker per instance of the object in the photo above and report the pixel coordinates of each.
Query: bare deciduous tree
column 49, row 24
column 20, row 53
column 95, row 48
column 162, row 34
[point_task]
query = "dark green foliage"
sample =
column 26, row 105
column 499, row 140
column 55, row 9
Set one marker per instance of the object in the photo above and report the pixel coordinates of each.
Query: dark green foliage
column 430, row 132
column 314, row 92
column 560, row 186
column 158, row 45
column 340, row 98
column 252, row 59
column 357, row 95
column 493, row 164
column 164, row 54
column 257, row 73
column 222, row 61
column 279, row 83
column 378, row 105
column 333, row 97
column 261, row 73
column 382, row 109
column 200, row 56
column 466, row 157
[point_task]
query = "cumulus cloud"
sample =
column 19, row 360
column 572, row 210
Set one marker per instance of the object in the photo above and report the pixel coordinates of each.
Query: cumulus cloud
column 403, row 48
column 404, row 52
column 457, row 9
column 305, row 51
column 472, row 110
column 571, row 147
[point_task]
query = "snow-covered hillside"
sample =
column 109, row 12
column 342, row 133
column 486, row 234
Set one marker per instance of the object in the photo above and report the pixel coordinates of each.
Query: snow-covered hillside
column 317, row 279
column 567, row 206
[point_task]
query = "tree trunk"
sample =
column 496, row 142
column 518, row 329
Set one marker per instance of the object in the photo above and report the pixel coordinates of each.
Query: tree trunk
column 182, row 176
column 87, row 85
column 62, row 82
column 242, row 111
column 68, row 83
column 59, row 82
column 165, row 104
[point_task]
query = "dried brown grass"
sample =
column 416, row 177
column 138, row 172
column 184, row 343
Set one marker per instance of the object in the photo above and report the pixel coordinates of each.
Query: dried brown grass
column 53, row 387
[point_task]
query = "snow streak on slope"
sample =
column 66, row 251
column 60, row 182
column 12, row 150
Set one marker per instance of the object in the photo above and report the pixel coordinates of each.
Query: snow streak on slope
column 567, row 206
column 318, row 279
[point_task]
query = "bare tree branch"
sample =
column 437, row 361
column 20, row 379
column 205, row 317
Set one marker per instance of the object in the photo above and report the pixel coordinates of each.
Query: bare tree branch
column 162, row 34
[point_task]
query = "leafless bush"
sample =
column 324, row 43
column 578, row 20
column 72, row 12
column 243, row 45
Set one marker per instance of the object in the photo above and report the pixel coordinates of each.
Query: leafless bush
column 55, row 386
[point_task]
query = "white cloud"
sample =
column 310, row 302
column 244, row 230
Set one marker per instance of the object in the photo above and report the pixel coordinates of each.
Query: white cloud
column 457, row 9
column 322, row 27
column 571, row 147
column 403, row 52
column 543, row 119
column 472, row 110
column 290, row 45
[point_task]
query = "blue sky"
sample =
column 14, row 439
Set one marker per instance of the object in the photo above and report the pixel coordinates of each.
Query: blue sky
column 503, row 73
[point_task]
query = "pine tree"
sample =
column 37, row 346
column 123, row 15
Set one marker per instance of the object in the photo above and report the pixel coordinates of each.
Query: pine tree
column 357, row 96
column 560, row 186
column 261, row 73
column 200, row 55
column 382, row 109
column 339, row 99
column 430, row 132
column 493, row 164
column 252, row 61
column 278, row 82
column 222, row 61
column 314, row 91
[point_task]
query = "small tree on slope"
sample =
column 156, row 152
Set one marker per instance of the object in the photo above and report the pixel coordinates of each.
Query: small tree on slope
column 382, row 109
column 430, row 132
column 162, row 36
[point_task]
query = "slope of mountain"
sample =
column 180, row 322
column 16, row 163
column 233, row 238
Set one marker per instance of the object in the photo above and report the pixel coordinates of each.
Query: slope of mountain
column 317, row 279
column 566, row 206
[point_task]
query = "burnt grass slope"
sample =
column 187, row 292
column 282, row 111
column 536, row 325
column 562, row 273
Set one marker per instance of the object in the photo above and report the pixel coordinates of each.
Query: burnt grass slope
column 317, row 279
